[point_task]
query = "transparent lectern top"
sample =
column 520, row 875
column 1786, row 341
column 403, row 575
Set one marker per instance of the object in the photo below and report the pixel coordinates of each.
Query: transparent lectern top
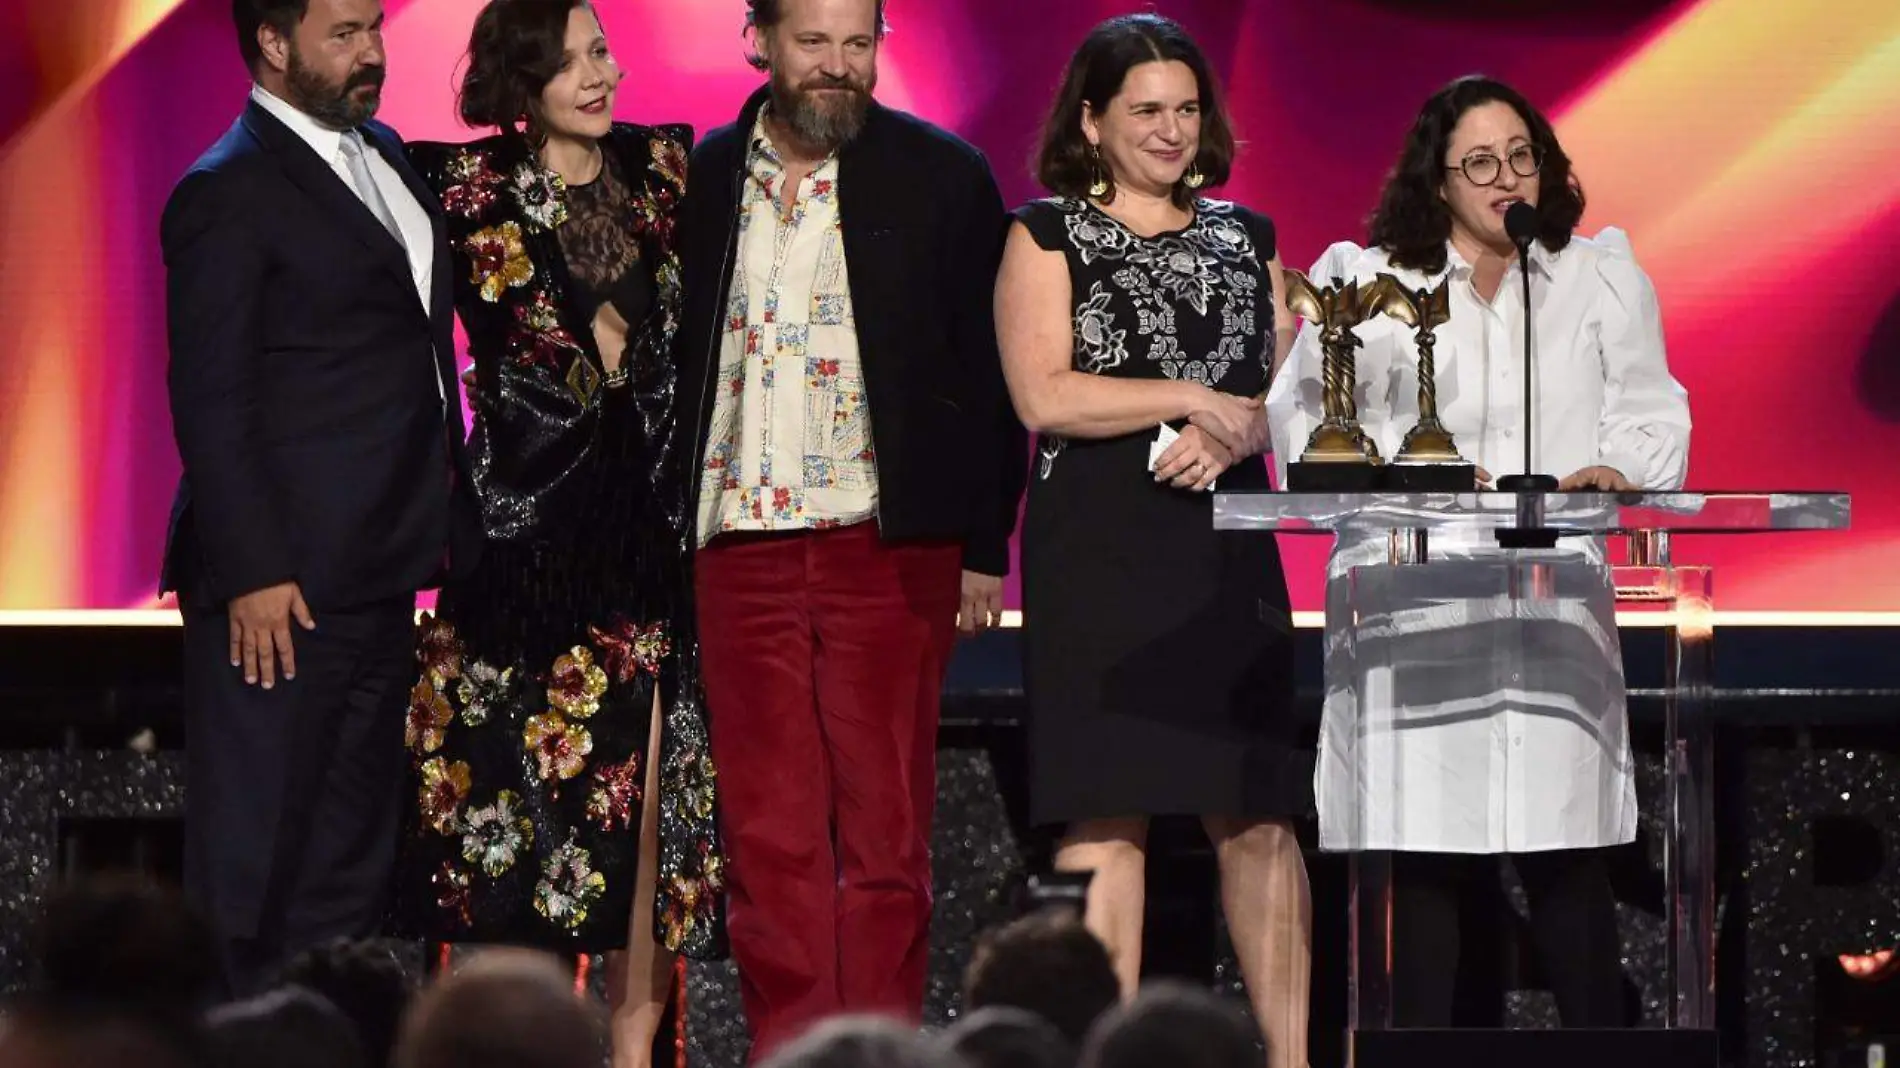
column 1567, row 513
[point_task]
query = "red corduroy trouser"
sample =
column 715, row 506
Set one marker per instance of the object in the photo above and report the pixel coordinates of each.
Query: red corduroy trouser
column 824, row 655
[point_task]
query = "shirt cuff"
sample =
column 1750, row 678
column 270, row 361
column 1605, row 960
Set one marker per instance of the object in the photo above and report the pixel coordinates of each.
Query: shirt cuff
column 1627, row 464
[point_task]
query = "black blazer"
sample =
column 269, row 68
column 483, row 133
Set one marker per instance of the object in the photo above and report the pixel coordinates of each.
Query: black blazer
column 306, row 382
column 924, row 228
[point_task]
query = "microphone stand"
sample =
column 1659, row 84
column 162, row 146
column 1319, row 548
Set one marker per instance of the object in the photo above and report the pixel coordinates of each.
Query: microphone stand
column 1530, row 532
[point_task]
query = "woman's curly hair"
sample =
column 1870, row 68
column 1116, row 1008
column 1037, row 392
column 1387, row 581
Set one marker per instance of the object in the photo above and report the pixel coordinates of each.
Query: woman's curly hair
column 1412, row 222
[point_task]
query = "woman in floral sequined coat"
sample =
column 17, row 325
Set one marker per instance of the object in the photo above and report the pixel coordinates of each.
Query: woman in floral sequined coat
column 562, row 785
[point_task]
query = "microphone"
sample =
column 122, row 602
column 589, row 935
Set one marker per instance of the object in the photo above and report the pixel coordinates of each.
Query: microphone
column 1521, row 224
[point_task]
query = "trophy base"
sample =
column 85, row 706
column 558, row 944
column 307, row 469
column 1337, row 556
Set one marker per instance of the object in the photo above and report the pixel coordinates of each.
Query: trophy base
column 1306, row 476
column 1431, row 478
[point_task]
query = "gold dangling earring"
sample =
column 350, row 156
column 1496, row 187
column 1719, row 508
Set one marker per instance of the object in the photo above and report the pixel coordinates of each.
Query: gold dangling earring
column 1100, row 186
column 1194, row 178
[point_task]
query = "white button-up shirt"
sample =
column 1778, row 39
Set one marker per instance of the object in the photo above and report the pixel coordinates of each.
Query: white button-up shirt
column 1460, row 716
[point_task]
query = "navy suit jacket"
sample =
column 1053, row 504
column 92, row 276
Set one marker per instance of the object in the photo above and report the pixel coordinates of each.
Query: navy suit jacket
column 306, row 383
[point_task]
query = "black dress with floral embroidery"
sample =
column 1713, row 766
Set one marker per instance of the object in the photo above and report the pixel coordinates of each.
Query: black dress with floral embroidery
column 1157, row 651
column 529, row 721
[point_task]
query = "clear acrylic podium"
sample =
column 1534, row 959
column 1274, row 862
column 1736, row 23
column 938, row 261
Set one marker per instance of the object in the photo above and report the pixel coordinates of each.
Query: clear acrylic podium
column 1399, row 527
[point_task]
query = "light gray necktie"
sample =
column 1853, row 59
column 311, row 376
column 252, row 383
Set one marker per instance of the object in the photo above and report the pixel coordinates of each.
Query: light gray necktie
column 371, row 196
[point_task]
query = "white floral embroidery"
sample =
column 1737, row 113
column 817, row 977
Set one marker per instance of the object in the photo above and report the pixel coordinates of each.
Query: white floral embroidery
column 1209, row 270
column 1096, row 236
column 1098, row 345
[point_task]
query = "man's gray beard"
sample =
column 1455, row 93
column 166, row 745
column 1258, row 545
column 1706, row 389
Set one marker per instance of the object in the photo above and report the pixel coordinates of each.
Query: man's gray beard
column 828, row 128
column 327, row 104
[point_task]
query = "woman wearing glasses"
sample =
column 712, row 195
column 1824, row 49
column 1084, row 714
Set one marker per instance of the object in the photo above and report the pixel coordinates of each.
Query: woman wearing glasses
column 1464, row 722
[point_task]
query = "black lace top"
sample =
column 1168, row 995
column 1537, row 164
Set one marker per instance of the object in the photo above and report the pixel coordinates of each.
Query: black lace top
column 603, row 248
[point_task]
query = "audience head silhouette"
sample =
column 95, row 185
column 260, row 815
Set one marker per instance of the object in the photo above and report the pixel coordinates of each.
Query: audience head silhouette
column 859, row 1042
column 285, row 1028
column 1049, row 964
column 506, row 1008
column 1176, row 1025
column 367, row 985
column 1003, row 1036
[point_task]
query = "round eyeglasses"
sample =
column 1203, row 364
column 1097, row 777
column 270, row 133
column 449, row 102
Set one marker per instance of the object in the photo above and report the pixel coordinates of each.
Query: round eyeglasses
column 1483, row 168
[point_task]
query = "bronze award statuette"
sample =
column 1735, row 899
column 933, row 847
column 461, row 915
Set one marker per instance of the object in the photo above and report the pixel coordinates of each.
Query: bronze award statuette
column 1339, row 455
column 1428, row 460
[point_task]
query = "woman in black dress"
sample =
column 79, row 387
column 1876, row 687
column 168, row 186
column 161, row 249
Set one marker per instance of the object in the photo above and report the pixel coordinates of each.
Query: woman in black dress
column 1138, row 324
column 563, row 792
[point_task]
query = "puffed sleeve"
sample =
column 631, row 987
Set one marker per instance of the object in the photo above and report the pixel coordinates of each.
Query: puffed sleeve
column 1644, row 429
column 1295, row 402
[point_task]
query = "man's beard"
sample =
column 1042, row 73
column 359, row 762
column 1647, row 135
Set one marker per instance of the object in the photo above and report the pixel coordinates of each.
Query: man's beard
column 332, row 105
column 826, row 120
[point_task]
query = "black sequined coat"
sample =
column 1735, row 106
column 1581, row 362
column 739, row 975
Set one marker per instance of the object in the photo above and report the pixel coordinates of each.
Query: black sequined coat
column 538, row 676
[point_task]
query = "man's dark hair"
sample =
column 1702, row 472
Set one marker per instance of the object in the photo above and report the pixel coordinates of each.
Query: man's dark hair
column 252, row 15
column 1177, row 1025
column 765, row 14
column 1049, row 964
column 366, row 983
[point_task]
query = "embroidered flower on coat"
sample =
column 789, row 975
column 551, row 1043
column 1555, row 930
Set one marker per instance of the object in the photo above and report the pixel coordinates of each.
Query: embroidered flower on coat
column 444, row 787
column 628, row 650
column 617, row 789
column 498, row 260
column 576, row 684
column 560, row 748
column 692, row 895
column 541, row 194
column 472, row 185
column 482, row 689
column 569, row 886
column 669, row 161
column 439, row 650
column 690, row 783
column 429, row 715
column 494, row 836
column 538, row 336
column 656, row 218
column 452, row 891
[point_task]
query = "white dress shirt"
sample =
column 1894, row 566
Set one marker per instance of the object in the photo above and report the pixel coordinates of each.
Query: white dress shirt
column 1460, row 718
column 417, row 234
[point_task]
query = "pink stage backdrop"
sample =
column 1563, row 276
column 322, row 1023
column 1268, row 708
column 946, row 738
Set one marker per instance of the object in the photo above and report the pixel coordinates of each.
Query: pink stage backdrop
column 1751, row 149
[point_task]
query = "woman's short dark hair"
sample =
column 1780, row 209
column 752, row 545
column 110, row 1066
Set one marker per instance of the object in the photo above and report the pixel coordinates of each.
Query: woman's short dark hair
column 249, row 16
column 1413, row 223
column 764, row 14
column 514, row 51
column 1096, row 72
